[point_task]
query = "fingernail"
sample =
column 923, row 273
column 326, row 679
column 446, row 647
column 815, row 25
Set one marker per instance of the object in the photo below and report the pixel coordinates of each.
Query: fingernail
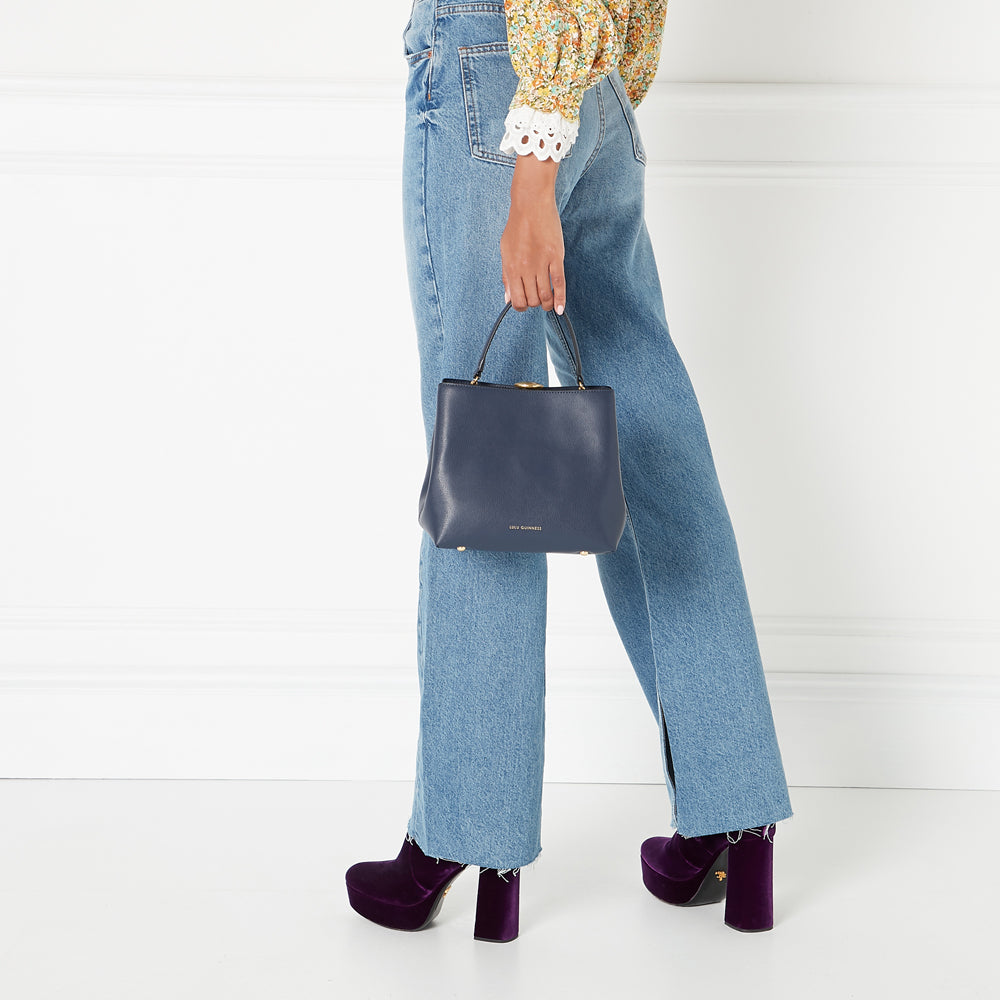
column 506, row 295
column 559, row 309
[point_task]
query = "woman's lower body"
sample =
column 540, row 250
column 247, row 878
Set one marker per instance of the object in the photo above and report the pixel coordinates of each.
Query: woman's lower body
column 675, row 585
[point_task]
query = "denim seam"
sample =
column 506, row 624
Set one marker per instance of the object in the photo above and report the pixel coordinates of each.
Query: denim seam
column 471, row 112
column 430, row 64
column 640, row 156
column 427, row 236
column 652, row 646
column 600, row 133
column 485, row 47
column 471, row 8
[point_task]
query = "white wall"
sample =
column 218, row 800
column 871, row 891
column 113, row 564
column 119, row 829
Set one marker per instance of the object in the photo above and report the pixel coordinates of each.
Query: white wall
column 201, row 280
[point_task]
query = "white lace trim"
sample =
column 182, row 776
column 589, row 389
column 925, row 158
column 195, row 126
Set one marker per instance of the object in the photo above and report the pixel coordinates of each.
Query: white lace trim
column 544, row 133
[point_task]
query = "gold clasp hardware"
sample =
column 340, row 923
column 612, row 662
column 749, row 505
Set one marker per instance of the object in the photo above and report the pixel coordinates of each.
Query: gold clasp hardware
column 529, row 385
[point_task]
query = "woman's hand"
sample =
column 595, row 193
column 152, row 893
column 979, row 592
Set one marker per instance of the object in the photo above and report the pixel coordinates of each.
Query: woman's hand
column 531, row 248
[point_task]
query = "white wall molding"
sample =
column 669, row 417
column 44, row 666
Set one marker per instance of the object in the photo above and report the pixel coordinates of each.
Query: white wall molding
column 339, row 168
column 867, row 174
column 715, row 97
column 167, row 90
column 194, row 166
column 742, row 133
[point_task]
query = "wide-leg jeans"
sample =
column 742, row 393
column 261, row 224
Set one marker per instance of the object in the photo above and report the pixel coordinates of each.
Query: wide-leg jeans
column 675, row 585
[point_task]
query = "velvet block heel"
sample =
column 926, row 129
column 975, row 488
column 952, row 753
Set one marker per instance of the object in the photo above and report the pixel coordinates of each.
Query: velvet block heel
column 497, row 905
column 407, row 892
column 737, row 866
column 750, row 895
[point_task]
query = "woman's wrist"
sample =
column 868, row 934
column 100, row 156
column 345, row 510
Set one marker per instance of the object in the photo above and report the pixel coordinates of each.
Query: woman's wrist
column 533, row 178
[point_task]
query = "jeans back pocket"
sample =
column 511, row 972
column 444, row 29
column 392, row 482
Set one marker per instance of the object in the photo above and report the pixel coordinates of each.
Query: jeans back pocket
column 488, row 85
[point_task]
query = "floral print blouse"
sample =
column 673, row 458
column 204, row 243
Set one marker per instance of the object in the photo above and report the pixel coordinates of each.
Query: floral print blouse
column 561, row 48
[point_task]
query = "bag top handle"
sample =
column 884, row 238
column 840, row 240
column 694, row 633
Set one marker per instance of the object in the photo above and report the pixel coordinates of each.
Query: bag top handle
column 574, row 351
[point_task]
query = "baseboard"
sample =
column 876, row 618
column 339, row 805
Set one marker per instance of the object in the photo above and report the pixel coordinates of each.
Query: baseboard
column 248, row 694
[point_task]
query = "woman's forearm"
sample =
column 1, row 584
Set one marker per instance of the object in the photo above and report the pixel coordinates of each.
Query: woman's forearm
column 531, row 248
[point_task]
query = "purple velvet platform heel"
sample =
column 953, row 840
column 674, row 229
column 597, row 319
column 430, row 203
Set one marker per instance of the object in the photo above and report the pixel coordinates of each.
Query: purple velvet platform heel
column 737, row 866
column 407, row 892
column 750, row 895
column 497, row 905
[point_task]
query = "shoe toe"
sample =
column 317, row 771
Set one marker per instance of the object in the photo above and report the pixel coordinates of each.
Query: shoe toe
column 375, row 880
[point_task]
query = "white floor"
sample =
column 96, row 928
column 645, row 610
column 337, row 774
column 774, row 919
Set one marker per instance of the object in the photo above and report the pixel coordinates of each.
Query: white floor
column 234, row 889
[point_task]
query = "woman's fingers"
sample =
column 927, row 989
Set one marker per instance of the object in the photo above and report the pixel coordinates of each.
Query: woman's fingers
column 545, row 297
column 547, row 290
column 518, row 296
column 531, row 291
column 535, row 287
column 558, row 276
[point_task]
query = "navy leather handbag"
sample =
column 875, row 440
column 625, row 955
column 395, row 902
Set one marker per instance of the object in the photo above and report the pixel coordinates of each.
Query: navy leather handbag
column 524, row 467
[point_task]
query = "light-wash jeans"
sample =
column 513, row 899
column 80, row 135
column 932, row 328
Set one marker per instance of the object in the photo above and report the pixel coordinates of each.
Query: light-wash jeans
column 675, row 585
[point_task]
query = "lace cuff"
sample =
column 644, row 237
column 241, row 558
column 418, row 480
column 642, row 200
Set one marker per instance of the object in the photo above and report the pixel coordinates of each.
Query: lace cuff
column 544, row 133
